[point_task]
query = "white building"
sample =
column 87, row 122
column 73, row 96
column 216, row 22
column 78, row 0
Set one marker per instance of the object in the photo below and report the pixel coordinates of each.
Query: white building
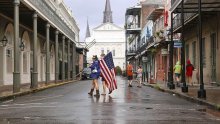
column 41, row 42
column 108, row 37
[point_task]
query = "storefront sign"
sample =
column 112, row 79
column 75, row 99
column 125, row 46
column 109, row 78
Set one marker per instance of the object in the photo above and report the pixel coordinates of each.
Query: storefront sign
column 177, row 44
column 144, row 59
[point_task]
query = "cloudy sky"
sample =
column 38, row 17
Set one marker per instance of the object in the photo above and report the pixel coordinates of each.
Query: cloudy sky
column 93, row 9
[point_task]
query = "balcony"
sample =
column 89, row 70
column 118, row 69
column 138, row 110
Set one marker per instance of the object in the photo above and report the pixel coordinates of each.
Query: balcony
column 157, row 16
column 188, row 17
column 133, row 19
column 156, row 13
column 141, row 48
column 133, row 27
column 131, row 52
column 191, row 6
column 190, row 9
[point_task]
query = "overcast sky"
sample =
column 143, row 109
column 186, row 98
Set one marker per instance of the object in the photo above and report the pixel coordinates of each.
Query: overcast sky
column 93, row 9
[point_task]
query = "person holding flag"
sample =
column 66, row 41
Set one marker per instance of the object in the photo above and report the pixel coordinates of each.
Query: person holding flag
column 108, row 72
column 95, row 69
column 103, row 79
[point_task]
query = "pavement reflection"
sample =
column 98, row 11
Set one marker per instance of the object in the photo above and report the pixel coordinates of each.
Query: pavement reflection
column 70, row 104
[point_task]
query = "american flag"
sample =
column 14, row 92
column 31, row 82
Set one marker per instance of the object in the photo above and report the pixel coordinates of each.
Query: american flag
column 108, row 72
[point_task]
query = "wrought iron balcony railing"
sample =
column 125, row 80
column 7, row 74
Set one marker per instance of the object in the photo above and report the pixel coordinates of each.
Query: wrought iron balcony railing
column 130, row 52
column 177, row 19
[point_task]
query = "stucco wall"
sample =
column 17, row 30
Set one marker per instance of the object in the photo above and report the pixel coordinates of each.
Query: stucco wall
column 210, row 25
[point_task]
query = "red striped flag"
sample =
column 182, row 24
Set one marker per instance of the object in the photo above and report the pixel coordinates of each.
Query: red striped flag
column 108, row 72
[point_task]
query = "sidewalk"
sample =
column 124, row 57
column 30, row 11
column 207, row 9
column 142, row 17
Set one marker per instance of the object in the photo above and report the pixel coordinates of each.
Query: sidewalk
column 212, row 93
column 6, row 92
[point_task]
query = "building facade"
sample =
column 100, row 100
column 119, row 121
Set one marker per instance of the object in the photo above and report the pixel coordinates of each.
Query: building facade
column 169, row 32
column 38, row 42
column 210, row 42
column 108, row 37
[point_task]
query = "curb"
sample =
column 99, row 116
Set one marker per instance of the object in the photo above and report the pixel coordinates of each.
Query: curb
column 189, row 98
column 14, row 95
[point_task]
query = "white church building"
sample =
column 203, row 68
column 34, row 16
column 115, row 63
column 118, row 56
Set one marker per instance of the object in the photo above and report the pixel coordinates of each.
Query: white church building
column 108, row 37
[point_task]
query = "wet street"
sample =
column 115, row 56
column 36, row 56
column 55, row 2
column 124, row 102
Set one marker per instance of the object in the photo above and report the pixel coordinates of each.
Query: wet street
column 70, row 104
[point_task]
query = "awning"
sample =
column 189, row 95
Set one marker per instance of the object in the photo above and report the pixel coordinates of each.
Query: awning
column 137, row 56
column 129, row 58
column 151, row 45
column 191, row 6
column 143, row 52
column 155, row 13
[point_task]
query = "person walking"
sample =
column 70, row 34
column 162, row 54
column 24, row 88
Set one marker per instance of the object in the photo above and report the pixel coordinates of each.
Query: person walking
column 177, row 72
column 189, row 72
column 139, row 76
column 95, row 73
column 104, row 85
column 130, row 74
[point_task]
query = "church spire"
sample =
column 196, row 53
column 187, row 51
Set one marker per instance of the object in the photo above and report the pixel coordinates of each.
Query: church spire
column 87, row 30
column 107, row 13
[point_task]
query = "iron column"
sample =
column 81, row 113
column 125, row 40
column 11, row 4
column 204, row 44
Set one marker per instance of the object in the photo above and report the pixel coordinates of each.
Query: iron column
column 68, row 59
column 201, row 92
column 16, row 73
column 56, row 56
column 34, row 72
column 170, row 75
column 47, row 53
column 63, row 63
column 184, row 87
column 74, row 61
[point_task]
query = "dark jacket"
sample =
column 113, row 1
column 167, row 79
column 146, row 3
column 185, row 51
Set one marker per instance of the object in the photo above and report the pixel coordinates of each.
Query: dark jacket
column 95, row 66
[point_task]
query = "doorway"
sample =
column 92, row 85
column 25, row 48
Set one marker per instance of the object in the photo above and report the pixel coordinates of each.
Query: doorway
column 213, row 57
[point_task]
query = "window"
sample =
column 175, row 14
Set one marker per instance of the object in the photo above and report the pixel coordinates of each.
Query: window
column 25, row 68
column 187, row 51
column 203, row 52
column 9, row 54
column 194, row 53
column 113, row 52
column 52, row 66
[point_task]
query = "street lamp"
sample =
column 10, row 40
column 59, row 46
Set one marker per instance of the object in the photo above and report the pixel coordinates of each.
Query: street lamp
column 4, row 41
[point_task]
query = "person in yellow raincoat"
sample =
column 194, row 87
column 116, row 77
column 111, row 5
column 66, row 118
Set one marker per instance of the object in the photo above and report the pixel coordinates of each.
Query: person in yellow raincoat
column 177, row 71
